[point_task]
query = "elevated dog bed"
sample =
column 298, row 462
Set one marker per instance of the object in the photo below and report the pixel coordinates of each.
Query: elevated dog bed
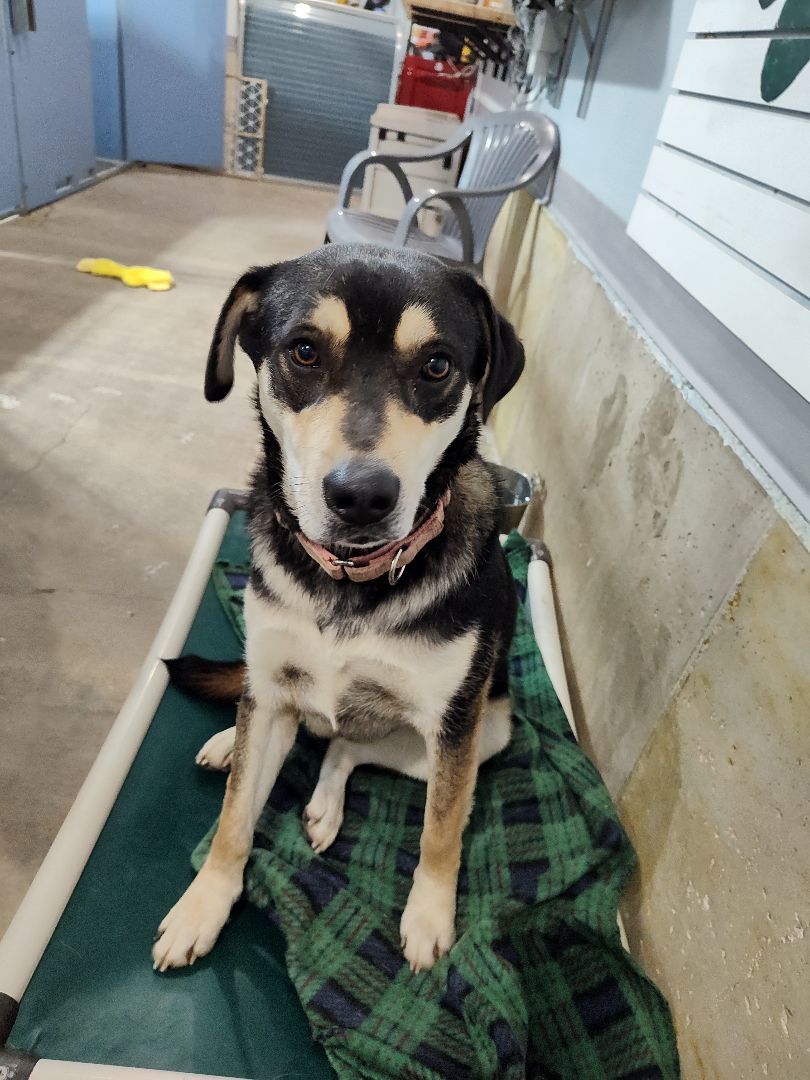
column 538, row 984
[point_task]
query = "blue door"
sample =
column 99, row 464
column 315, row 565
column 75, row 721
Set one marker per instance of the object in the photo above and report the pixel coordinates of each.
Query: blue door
column 48, row 46
column 105, row 46
column 173, row 75
column 10, row 182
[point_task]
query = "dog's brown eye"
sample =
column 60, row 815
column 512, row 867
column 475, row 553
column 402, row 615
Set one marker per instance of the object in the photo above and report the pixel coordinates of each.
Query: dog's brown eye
column 437, row 367
column 304, row 353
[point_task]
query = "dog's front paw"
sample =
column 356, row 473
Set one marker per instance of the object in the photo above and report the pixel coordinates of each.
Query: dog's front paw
column 192, row 926
column 428, row 923
column 323, row 815
column 218, row 751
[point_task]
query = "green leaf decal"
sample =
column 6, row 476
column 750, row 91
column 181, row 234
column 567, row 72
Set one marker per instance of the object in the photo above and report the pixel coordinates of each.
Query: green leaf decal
column 766, row 3
column 795, row 15
column 785, row 57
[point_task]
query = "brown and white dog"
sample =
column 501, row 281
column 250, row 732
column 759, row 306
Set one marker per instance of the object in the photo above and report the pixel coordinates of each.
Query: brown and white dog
column 380, row 607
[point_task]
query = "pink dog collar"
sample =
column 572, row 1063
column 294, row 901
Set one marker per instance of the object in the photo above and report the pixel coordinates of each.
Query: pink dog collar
column 391, row 559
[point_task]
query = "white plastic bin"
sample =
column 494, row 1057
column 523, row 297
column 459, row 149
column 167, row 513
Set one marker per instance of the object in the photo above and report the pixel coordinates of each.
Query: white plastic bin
column 400, row 129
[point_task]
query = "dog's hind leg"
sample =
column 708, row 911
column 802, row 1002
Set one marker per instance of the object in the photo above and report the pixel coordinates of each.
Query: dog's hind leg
column 264, row 736
column 404, row 751
column 218, row 751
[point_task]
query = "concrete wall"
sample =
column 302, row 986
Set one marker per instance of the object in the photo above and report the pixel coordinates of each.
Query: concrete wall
column 685, row 603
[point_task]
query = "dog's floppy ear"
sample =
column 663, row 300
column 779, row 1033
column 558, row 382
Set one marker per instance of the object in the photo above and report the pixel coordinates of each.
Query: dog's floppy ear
column 506, row 356
column 242, row 301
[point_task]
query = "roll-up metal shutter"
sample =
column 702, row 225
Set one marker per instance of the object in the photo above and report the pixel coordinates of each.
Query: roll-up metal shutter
column 327, row 68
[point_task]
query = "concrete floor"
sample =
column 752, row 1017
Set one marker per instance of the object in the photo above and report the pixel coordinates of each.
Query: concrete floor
column 108, row 456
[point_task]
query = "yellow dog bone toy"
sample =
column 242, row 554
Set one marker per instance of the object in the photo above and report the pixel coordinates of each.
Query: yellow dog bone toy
column 134, row 276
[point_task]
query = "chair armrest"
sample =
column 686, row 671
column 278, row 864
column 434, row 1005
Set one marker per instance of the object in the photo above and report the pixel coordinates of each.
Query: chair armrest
column 431, row 153
column 455, row 202
column 358, row 164
column 454, row 198
column 479, row 193
column 549, row 163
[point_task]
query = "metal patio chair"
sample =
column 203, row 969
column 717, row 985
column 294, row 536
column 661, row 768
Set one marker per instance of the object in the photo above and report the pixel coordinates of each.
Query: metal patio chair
column 505, row 151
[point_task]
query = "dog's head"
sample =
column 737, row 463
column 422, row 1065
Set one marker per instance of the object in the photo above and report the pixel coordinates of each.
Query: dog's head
column 369, row 363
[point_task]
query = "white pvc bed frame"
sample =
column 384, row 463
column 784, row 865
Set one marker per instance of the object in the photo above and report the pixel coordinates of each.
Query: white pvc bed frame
column 27, row 937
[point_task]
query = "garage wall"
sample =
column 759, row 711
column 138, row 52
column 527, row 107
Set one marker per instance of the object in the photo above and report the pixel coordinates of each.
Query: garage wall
column 677, row 470
column 725, row 202
column 605, row 156
column 684, row 597
column 608, row 151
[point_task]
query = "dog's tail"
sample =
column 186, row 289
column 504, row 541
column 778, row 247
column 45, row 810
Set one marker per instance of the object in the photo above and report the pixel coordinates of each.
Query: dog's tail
column 211, row 680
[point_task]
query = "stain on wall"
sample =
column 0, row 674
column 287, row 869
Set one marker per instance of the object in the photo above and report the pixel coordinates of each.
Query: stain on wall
column 609, row 428
column 656, row 461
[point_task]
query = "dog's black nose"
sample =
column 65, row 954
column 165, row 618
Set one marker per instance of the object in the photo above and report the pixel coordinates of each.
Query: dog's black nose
column 361, row 492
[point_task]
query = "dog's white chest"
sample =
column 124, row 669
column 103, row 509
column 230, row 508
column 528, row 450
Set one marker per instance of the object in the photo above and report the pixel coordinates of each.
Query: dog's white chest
column 286, row 649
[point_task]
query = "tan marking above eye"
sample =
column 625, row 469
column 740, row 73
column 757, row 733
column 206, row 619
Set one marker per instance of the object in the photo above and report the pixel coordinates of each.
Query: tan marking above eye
column 416, row 327
column 331, row 317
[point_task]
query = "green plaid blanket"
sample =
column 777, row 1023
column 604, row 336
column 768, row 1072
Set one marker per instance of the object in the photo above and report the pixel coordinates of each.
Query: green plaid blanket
column 538, row 984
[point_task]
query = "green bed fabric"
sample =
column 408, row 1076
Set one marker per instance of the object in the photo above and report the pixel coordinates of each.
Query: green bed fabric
column 94, row 996
column 537, row 984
